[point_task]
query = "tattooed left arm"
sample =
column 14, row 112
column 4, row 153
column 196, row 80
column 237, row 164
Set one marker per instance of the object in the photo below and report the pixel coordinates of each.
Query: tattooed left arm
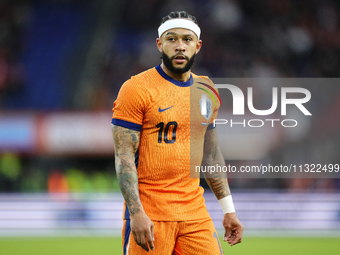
column 218, row 183
column 212, row 156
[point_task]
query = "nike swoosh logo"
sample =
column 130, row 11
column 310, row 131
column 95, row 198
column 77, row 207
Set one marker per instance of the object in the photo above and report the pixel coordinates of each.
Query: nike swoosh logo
column 162, row 110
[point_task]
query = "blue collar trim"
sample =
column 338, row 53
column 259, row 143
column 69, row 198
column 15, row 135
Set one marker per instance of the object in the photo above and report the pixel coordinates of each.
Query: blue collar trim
column 177, row 83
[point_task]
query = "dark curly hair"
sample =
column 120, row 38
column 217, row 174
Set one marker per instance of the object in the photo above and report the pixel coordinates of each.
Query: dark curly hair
column 179, row 14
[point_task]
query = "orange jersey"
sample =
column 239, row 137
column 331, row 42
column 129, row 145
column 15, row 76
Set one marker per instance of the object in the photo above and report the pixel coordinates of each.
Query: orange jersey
column 168, row 114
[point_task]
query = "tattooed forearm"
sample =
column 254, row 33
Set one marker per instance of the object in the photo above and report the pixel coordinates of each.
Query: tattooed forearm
column 217, row 181
column 126, row 142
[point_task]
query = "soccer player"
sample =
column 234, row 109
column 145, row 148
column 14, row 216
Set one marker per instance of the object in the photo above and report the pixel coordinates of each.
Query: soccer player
column 154, row 135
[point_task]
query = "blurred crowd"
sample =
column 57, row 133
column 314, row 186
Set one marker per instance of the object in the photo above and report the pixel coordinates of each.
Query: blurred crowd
column 241, row 38
column 14, row 15
column 19, row 174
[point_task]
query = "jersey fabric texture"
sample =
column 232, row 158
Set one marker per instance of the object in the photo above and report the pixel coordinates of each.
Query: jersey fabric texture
column 168, row 114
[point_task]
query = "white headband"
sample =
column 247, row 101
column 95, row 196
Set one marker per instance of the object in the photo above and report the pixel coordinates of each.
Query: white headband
column 179, row 23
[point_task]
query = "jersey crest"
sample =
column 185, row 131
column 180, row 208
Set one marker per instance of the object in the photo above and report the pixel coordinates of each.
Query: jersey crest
column 205, row 107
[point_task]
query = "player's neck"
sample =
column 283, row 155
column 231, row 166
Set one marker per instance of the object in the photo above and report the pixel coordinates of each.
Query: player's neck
column 178, row 77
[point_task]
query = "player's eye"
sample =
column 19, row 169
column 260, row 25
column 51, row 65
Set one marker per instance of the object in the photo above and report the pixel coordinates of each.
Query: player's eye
column 188, row 39
column 171, row 39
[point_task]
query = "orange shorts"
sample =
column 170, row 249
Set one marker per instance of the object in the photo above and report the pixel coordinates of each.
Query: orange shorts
column 177, row 238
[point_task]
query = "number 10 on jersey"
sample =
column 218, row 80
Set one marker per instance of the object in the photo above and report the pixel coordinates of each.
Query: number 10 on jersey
column 163, row 136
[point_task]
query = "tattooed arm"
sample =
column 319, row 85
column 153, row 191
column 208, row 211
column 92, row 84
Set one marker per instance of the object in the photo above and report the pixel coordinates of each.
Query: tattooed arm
column 218, row 183
column 126, row 142
column 212, row 156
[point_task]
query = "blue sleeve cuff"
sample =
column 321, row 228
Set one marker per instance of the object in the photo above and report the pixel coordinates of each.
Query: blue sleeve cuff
column 211, row 126
column 126, row 124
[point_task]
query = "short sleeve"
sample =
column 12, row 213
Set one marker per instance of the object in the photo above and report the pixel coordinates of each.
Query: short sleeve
column 129, row 107
column 217, row 104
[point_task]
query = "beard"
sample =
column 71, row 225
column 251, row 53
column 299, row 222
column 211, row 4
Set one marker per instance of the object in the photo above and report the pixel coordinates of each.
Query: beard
column 168, row 63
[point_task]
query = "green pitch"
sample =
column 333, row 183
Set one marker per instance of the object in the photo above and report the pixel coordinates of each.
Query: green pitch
column 112, row 246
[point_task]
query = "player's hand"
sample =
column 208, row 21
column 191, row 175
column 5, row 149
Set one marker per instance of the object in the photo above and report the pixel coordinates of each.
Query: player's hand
column 143, row 230
column 233, row 229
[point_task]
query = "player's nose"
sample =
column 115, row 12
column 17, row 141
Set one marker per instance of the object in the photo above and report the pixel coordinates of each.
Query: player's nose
column 180, row 46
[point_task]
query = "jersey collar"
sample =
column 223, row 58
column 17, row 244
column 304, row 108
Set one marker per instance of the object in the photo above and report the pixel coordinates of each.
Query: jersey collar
column 177, row 83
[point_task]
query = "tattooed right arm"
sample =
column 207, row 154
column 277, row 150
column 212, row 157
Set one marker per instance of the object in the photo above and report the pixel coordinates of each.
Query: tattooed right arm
column 126, row 142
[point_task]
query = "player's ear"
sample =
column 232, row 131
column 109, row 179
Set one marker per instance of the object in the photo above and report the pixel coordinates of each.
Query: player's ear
column 159, row 44
column 198, row 46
